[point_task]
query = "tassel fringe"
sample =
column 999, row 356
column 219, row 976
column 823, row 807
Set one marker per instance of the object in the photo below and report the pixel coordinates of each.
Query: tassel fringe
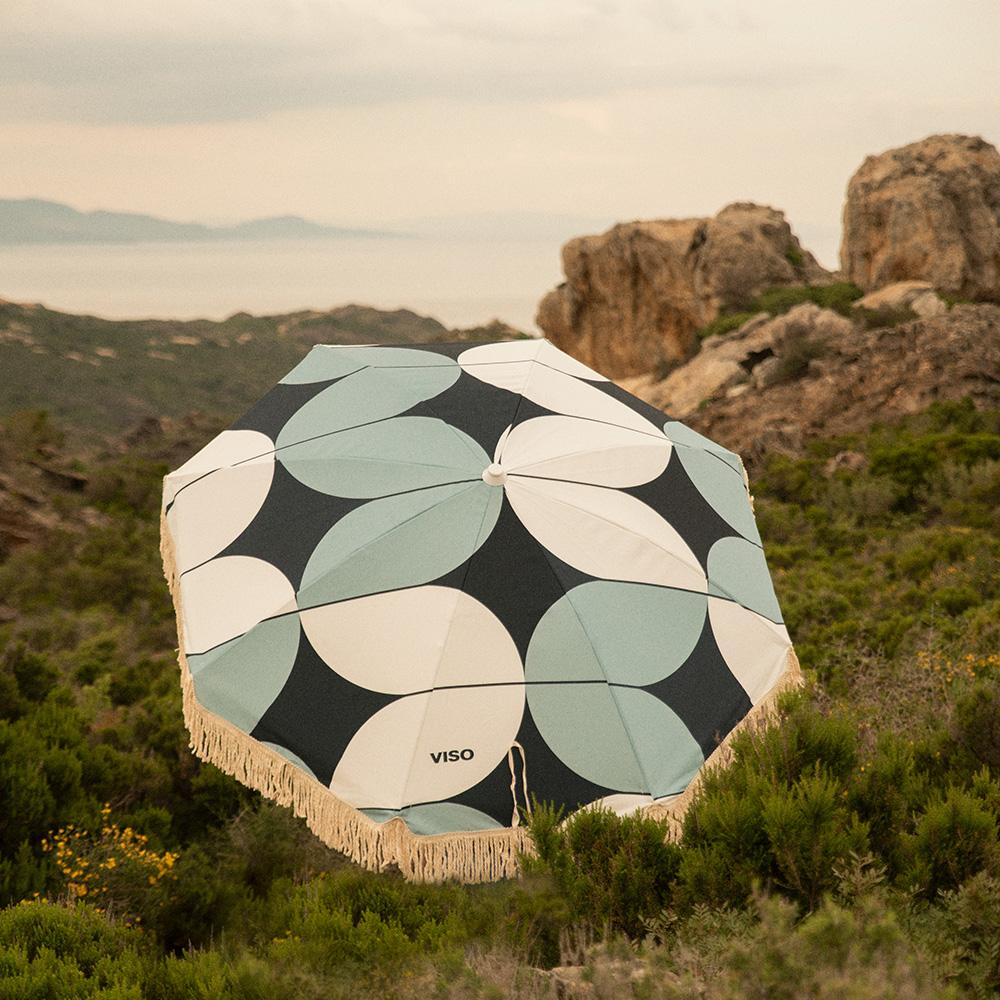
column 484, row 856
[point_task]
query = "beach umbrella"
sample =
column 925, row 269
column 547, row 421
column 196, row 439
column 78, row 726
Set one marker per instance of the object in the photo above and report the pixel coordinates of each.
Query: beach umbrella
column 419, row 588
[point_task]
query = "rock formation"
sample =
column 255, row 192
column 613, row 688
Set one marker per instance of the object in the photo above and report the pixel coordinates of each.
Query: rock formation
column 928, row 211
column 852, row 379
column 634, row 296
column 763, row 352
column 917, row 297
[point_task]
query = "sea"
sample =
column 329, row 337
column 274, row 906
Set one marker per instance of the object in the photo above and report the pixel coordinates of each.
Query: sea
column 461, row 281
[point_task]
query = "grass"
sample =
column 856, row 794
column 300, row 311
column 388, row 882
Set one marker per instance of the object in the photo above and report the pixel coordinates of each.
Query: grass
column 838, row 296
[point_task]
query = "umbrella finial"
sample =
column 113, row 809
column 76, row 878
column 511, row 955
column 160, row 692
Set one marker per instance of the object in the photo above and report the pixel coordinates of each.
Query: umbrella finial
column 494, row 474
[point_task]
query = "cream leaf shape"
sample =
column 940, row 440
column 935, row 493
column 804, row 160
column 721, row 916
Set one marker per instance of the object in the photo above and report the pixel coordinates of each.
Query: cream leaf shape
column 462, row 682
column 390, row 762
column 225, row 449
column 226, row 597
column 558, row 447
column 540, row 350
column 406, row 641
column 556, row 388
column 754, row 648
column 605, row 533
column 211, row 499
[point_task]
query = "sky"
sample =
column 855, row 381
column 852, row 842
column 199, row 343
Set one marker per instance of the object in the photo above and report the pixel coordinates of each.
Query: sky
column 386, row 113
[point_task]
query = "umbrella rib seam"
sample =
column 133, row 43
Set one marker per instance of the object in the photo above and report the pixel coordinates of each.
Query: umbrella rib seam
column 461, row 589
column 636, row 534
column 263, row 454
column 388, row 496
column 376, row 593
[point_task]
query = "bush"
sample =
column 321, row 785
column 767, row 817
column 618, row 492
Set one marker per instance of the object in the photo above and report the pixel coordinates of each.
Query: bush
column 114, row 869
column 963, row 934
column 810, row 833
column 725, row 323
column 54, row 951
column 838, row 295
column 793, row 362
column 776, row 815
column 615, row 872
column 955, row 838
column 835, row 952
column 976, row 722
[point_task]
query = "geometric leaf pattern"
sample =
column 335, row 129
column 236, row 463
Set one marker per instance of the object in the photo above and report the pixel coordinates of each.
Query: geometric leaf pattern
column 403, row 563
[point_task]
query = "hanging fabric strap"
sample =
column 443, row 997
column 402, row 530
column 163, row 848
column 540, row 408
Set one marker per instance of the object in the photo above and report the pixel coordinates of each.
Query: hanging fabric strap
column 516, row 817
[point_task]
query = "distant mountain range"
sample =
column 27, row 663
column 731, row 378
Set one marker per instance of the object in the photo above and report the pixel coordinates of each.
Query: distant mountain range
column 35, row 221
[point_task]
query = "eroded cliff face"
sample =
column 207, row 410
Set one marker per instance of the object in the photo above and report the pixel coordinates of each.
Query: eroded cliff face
column 635, row 296
column 929, row 211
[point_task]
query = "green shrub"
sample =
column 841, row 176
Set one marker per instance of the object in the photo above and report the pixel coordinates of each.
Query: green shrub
column 793, row 362
column 52, row 951
column 810, row 834
column 614, row 871
column 955, row 838
column 976, row 722
column 838, row 295
column 776, row 815
column 725, row 323
column 963, row 935
column 835, row 952
column 873, row 319
column 795, row 257
column 888, row 790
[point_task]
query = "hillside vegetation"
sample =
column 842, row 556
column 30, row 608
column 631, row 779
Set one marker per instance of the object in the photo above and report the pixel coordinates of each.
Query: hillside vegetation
column 850, row 849
column 100, row 376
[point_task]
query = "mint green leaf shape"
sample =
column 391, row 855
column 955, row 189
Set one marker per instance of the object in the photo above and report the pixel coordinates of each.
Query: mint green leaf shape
column 241, row 678
column 683, row 435
column 599, row 637
column 624, row 739
column 327, row 361
column 367, row 396
column 437, row 817
column 717, row 474
column 624, row 633
column 737, row 570
column 400, row 541
column 392, row 456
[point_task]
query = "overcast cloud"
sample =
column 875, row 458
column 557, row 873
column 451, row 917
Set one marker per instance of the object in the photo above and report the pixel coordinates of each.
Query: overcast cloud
column 371, row 112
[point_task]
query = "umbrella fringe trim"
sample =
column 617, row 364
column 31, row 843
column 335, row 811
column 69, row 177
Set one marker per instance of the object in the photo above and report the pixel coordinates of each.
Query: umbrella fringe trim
column 481, row 856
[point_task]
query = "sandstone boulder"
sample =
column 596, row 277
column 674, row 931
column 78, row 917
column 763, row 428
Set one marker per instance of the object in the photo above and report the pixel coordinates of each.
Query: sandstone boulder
column 918, row 297
column 765, row 351
column 634, row 296
column 929, row 211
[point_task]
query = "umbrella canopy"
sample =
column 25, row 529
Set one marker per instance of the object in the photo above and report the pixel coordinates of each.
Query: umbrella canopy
column 419, row 587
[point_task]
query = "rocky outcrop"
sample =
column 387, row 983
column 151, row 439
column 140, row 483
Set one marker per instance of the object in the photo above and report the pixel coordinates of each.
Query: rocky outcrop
column 29, row 504
column 854, row 378
column 929, row 211
column 916, row 297
column 634, row 296
column 763, row 352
